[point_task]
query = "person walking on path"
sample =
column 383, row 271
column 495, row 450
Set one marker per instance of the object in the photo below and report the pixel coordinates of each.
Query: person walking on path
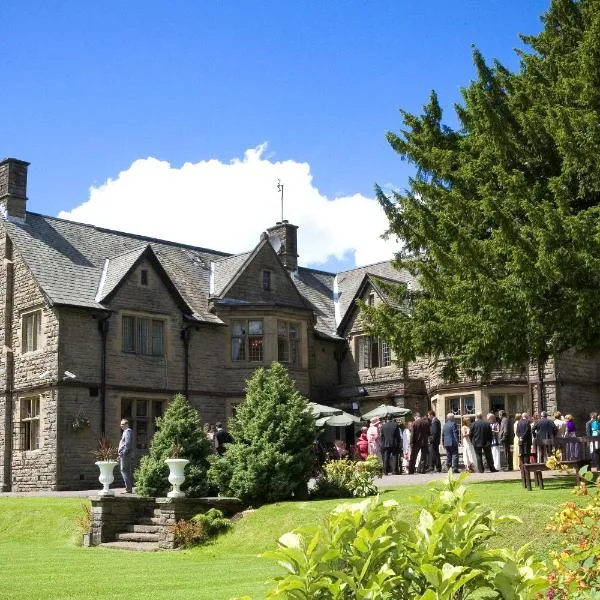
column 391, row 444
column 525, row 438
column 221, row 438
column 481, row 437
column 419, row 444
column 468, row 450
column 125, row 452
column 435, row 439
column 450, row 442
column 506, row 437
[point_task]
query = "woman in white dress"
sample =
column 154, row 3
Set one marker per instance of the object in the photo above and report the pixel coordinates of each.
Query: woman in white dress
column 493, row 421
column 515, row 456
column 373, row 438
column 406, row 435
column 467, row 445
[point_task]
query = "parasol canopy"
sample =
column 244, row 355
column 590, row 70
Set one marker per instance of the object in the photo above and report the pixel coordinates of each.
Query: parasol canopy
column 342, row 420
column 321, row 410
column 386, row 410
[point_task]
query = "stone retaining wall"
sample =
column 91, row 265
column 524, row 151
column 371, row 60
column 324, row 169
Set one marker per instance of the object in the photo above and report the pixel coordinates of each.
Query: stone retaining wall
column 112, row 515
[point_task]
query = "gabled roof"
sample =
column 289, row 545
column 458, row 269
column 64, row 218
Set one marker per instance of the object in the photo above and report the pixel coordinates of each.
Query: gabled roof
column 369, row 280
column 82, row 265
column 226, row 269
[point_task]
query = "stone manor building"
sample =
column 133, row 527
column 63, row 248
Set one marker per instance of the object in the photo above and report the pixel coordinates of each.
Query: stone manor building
column 97, row 325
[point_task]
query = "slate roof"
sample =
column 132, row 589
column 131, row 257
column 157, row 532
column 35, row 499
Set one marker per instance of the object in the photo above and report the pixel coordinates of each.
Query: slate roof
column 68, row 259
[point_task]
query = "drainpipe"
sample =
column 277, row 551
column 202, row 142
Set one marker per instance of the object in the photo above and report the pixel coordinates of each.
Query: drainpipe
column 103, row 328
column 186, row 334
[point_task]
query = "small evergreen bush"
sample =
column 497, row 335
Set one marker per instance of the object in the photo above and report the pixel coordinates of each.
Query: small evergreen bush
column 180, row 426
column 346, row 478
column 271, row 458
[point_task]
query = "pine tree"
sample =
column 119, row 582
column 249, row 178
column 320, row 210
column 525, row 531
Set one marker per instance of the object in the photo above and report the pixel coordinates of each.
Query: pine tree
column 180, row 425
column 500, row 222
column 271, row 458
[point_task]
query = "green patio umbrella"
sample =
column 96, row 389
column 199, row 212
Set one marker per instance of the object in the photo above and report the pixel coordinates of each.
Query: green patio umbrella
column 342, row 420
column 386, row 410
column 321, row 410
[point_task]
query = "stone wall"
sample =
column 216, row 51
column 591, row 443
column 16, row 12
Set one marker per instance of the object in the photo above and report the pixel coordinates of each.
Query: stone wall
column 112, row 515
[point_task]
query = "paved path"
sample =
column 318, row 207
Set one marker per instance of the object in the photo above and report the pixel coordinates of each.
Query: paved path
column 387, row 481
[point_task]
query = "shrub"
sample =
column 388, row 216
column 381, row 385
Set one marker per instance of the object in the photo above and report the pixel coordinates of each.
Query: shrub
column 346, row 478
column 83, row 523
column 366, row 550
column 181, row 426
column 199, row 529
column 575, row 569
column 271, row 458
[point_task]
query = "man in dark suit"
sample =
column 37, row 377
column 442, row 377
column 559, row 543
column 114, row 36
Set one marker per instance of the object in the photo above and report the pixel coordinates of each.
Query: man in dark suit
column 221, row 438
column 481, row 436
column 544, row 431
column 506, row 437
column 525, row 438
column 391, row 444
column 450, row 442
column 435, row 438
column 419, row 443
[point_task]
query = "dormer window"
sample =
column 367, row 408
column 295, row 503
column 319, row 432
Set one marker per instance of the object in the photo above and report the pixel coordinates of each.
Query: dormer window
column 144, row 277
column 266, row 280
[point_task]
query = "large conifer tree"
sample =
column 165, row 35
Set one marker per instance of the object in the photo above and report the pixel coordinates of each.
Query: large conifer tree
column 500, row 221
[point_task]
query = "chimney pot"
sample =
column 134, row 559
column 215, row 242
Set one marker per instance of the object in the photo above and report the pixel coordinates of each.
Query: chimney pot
column 13, row 188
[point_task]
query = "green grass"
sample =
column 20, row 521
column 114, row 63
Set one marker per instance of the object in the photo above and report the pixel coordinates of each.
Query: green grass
column 40, row 559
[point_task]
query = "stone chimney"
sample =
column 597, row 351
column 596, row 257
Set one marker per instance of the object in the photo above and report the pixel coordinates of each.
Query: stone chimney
column 13, row 189
column 288, row 251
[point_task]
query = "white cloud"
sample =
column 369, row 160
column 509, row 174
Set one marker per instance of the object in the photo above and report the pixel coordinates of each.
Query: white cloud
column 226, row 206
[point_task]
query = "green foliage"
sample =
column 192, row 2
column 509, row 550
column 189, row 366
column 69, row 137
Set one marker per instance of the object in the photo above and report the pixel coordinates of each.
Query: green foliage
column 179, row 427
column 271, row 458
column 500, row 222
column 367, row 550
column 200, row 529
column 575, row 568
column 346, row 478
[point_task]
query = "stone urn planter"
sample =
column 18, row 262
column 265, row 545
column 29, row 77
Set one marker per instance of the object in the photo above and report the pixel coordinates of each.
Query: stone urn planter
column 176, row 476
column 107, row 476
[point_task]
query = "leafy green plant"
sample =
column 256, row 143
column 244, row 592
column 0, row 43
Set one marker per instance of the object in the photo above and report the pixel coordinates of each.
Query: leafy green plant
column 346, row 478
column 180, row 429
column 199, row 529
column 575, row 568
column 271, row 458
column 367, row 550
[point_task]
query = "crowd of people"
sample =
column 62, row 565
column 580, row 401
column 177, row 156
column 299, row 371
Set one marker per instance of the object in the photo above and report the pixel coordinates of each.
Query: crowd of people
column 498, row 440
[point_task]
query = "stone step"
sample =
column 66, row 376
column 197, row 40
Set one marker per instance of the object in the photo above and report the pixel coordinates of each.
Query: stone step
column 143, row 528
column 149, row 521
column 137, row 537
column 132, row 546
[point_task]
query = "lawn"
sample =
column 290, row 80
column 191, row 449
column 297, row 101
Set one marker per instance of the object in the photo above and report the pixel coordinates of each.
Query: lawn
column 41, row 561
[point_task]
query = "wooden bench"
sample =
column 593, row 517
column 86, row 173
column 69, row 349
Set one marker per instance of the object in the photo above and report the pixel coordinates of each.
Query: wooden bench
column 575, row 448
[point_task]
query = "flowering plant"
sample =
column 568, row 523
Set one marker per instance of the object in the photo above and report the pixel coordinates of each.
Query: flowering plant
column 80, row 422
column 104, row 451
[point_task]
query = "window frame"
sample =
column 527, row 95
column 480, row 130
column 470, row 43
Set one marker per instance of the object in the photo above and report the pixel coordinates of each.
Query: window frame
column 30, row 423
column 373, row 352
column 288, row 342
column 267, row 280
column 36, row 331
column 143, row 423
column 143, row 335
column 247, row 347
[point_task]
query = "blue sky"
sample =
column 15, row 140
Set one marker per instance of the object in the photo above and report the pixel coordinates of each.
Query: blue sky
column 175, row 119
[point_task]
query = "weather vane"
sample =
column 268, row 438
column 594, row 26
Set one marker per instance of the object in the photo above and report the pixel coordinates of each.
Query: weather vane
column 280, row 189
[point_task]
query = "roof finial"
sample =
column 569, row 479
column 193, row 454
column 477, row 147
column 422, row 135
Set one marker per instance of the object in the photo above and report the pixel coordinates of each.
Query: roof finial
column 280, row 189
